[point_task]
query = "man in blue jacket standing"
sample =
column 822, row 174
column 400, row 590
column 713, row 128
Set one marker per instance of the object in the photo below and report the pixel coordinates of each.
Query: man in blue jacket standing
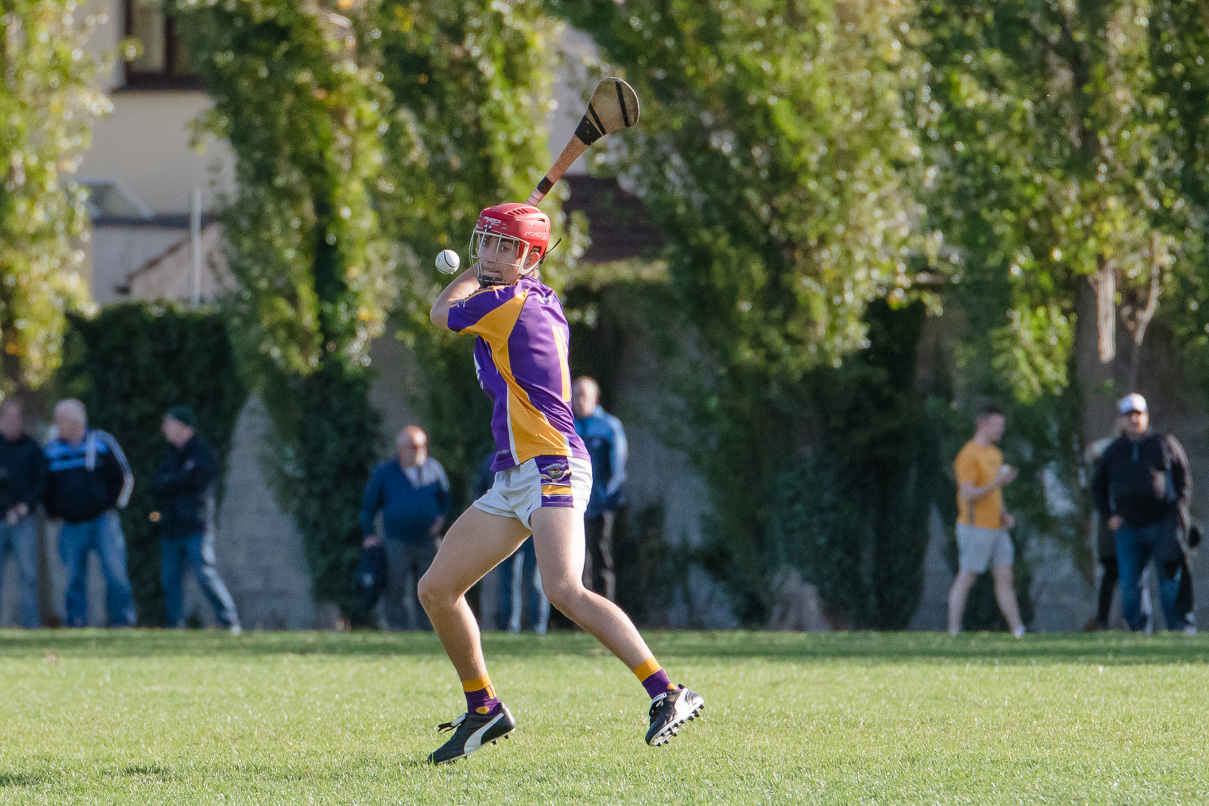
column 184, row 487
column 412, row 493
column 89, row 481
column 605, row 440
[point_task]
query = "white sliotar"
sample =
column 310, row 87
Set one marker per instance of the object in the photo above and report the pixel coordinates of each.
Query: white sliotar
column 448, row 261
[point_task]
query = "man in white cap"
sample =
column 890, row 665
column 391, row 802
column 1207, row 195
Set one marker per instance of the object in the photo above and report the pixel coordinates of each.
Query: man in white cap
column 1142, row 488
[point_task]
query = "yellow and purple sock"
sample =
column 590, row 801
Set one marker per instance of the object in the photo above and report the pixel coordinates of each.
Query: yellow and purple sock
column 653, row 678
column 480, row 696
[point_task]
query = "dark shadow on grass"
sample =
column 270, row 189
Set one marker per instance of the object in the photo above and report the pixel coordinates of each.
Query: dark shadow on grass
column 156, row 771
column 20, row 779
column 692, row 647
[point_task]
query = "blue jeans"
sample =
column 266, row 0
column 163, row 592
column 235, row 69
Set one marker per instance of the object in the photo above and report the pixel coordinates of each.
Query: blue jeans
column 197, row 552
column 1135, row 548
column 519, row 581
column 104, row 536
column 21, row 540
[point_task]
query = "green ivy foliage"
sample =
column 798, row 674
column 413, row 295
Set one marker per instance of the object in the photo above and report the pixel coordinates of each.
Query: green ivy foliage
column 851, row 511
column 297, row 95
column 129, row 365
column 48, row 101
column 778, row 157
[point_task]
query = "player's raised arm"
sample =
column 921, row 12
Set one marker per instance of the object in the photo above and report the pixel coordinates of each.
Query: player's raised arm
column 461, row 287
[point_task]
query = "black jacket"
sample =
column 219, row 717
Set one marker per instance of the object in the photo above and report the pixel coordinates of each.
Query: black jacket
column 183, row 484
column 1131, row 479
column 86, row 480
column 22, row 473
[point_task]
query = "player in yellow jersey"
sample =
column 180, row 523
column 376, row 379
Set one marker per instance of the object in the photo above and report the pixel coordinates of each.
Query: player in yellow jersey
column 983, row 522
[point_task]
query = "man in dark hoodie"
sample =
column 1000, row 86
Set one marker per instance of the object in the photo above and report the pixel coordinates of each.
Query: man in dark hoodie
column 1142, row 489
column 184, row 487
column 89, row 481
column 22, row 482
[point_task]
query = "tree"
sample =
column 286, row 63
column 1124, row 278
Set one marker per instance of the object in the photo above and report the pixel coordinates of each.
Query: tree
column 1066, row 143
column 296, row 95
column 1062, row 167
column 48, row 101
column 776, row 155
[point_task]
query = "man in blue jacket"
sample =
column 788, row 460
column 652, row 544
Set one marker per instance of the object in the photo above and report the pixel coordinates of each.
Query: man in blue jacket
column 184, row 488
column 89, row 481
column 412, row 493
column 22, row 482
column 605, row 440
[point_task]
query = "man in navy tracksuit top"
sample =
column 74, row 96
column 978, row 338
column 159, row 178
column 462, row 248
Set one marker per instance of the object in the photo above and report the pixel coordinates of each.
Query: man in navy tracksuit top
column 412, row 493
column 606, row 443
column 89, row 481
column 22, row 482
column 184, row 486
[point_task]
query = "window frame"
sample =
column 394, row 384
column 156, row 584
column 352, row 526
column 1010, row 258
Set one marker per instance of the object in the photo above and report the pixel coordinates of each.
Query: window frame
column 164, row 79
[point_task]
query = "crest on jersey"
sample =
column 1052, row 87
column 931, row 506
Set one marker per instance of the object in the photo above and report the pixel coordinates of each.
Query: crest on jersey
column 556, row 472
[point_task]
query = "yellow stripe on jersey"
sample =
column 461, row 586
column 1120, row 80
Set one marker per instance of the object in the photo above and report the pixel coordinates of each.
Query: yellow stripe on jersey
column 560, row 344
column 496, row 326
column 555, row 489
column 529, row 432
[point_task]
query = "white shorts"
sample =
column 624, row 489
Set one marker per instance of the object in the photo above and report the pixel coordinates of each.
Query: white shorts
column 545, row 481
column 980, row 548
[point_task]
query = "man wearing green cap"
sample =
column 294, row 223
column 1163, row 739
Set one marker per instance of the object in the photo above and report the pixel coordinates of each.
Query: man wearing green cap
column 184, row 485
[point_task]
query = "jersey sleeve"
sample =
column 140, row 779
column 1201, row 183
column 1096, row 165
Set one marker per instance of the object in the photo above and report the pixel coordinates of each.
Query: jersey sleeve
column 965, row 467
column 468, row 314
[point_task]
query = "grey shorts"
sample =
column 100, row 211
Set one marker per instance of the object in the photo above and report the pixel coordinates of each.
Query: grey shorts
column 979, row 549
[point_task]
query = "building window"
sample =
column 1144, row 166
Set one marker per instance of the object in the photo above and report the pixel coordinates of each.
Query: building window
column 165, row 62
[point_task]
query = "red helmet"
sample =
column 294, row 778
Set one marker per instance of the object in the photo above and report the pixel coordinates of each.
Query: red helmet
column 521, row 228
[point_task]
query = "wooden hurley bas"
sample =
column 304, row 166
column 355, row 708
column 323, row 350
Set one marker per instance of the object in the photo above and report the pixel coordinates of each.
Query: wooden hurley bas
column 614, row 106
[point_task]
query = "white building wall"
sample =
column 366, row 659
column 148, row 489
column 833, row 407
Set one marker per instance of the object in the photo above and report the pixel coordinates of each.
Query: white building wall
column 145, row 144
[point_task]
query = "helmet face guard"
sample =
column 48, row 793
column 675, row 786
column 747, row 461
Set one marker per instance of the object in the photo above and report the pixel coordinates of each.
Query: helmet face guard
column 513, row 236
column 499, row 250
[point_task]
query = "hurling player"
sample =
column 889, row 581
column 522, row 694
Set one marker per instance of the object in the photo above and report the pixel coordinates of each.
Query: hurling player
column 543, row 479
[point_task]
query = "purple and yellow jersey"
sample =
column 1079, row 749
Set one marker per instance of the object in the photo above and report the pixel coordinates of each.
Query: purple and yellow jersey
column 521, row 360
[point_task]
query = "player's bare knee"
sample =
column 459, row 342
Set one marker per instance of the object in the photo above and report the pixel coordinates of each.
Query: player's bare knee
column 431, row 594
column 564, row 594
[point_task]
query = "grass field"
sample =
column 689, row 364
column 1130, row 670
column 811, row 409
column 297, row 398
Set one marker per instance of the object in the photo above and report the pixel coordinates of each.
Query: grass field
column 152, row 717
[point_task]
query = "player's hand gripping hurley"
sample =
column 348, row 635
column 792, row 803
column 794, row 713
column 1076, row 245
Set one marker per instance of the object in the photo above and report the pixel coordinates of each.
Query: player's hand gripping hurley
column 614, row 106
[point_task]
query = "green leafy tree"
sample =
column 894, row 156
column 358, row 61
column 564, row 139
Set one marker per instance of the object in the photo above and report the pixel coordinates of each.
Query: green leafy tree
column 1067, row 176
column 776, row 155
column 298, row 97
column 48, row 101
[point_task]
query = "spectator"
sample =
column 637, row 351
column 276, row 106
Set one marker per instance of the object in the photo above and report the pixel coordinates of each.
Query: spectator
column 22, row 483
column 184, row 488
column 605, row 440
column 412, row 493
column 89, row 481
column 983, row 523
column 1106, row 555
column 520, row 580
column 1142, row 488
